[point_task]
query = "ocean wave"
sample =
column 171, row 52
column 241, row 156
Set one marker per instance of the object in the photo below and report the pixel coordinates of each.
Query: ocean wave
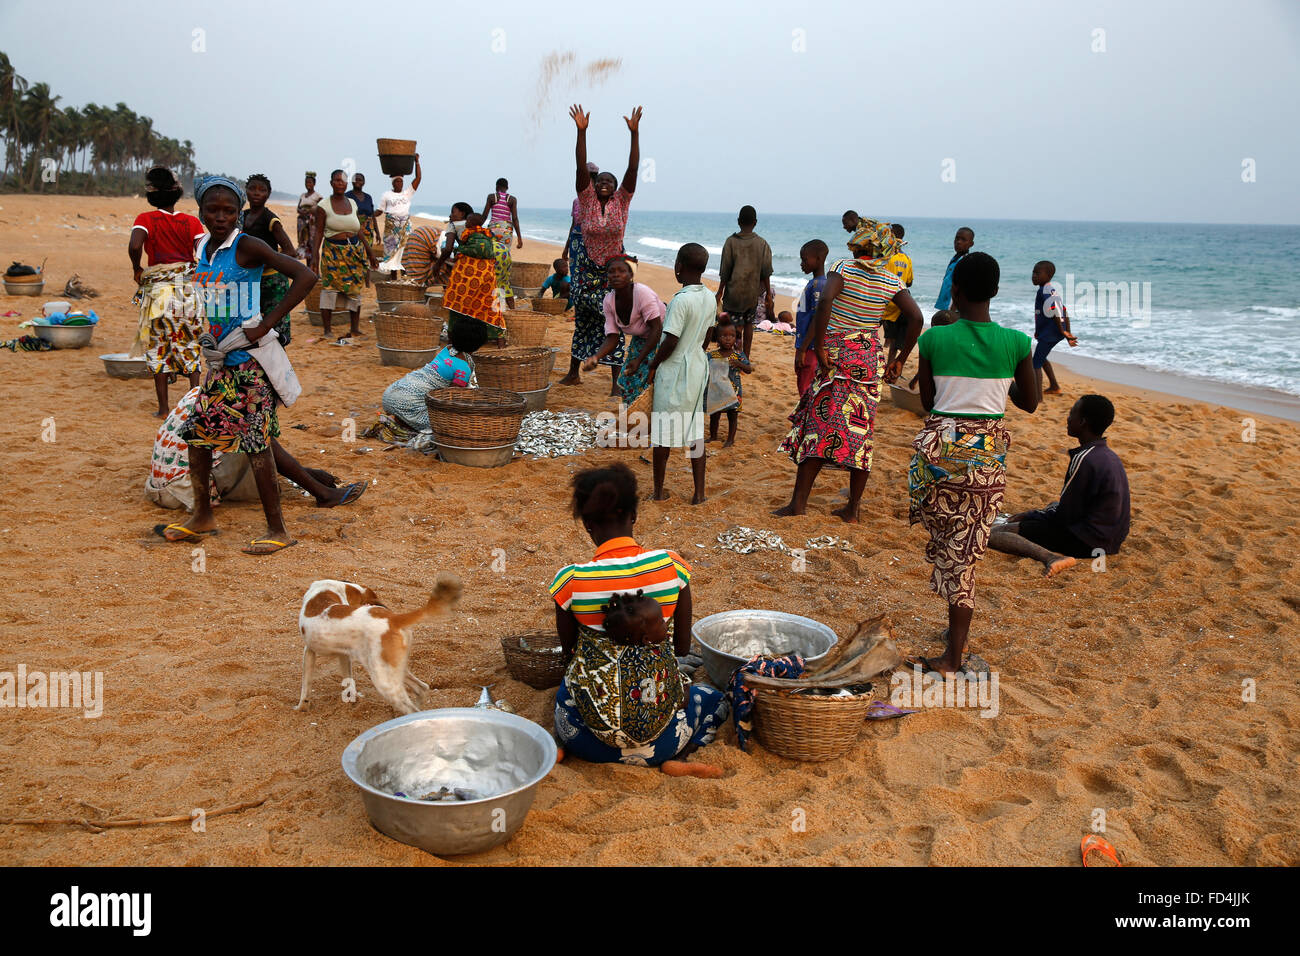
column 654, row 242
column 1274, row 311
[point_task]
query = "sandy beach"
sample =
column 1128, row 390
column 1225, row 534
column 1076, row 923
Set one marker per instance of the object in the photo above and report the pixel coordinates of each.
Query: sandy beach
column 1121, row 690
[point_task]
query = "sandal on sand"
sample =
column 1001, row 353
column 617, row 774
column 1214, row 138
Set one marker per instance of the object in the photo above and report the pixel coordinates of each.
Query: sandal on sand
column 279, row 546
column 1092, row 843
column 350, row 494
column 185, row 533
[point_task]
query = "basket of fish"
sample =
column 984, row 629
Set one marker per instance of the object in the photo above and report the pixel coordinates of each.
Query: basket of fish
column 535, row 658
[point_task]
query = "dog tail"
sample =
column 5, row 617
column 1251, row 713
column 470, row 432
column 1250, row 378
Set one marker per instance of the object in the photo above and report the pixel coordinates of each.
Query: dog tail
column 446, row 592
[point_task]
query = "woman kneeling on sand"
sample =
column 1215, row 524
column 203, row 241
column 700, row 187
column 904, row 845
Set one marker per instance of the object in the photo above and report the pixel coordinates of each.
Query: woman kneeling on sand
column 623, row 698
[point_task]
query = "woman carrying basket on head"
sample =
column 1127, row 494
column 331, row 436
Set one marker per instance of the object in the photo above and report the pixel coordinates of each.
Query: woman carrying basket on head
column 396, row 207
column 602, row 215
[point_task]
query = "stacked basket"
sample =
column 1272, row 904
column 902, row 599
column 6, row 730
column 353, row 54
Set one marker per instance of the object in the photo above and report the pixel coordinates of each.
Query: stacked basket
column 32, row 284
column 312, row 304
column 549, row 306
column 475, row 426
column 526, row 328
column 391, row 293
column 527, row 277
column 526, row 371
column 396, row 156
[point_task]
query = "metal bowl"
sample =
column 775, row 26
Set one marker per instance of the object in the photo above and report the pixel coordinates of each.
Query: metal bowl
column 494, row 456
column 500, row 755
column 907, row 399
column 406, row 358
column 65, row 336
column 731, row 638
column 534, row 401
column 122, row 365
column 24, row 288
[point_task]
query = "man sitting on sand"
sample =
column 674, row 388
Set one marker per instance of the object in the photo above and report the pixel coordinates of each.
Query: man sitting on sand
column 1092, row 515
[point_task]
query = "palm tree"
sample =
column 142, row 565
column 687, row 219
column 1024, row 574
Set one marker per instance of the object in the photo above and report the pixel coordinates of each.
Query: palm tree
column 40, row 109
column 12, row 87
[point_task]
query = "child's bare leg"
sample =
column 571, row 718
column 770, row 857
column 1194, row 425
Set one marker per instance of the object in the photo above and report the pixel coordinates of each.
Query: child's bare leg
column 660, row 462
column 1051, row 378
column 201, row 481
column 714, row 419
column 1008, row 540
column 695, row 451
column 803, row 484
column 733, row 417
column 748, row 336
column 160, row 389
column 857, row 485
column 268, row 489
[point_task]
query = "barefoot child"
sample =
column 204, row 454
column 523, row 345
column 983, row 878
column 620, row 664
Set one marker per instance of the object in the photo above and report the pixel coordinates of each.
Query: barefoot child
column 1051, row 323
column 958, row 474
column 680, row 371
column 236, row 409
column 745, row 276
column 558, row 281
column 1092, row 515
column 737, row 362
column 901, row 265
column 453, row 367
column 812, row 260
column 169, row 310
column 623, row 698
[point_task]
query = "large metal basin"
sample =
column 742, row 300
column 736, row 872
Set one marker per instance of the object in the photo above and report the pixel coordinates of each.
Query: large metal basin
column 731, row 638
column 501, row 755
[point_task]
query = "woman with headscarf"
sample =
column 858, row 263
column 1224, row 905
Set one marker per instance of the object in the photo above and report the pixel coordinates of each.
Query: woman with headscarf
column 307, row 203
column 835, row 420
column 602, row 214
column 631, row 308
column 396, row 207
column 343, row 256
column 245, row 376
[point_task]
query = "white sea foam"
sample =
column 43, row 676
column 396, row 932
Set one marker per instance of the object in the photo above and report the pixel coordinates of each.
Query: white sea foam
column 654, row 242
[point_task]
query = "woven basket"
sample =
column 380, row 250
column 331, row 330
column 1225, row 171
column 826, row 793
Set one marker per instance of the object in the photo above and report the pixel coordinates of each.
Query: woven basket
column 433, row 303
column 399, row 291
column 406, row 331
column 526, row 329
column 515, row 369
column 808, row 727
column 396, row 147
column 311, row 302
column 529, row 274
column 549, row 306
column 529, row 658
column 417, row 309
column 474, row 417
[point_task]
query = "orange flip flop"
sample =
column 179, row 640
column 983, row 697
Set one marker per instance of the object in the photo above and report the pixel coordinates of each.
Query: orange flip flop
column 1092, row 843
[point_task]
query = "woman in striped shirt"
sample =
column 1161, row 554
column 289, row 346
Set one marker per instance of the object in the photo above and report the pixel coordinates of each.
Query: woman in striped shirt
column 835, row 420
column 621, row 702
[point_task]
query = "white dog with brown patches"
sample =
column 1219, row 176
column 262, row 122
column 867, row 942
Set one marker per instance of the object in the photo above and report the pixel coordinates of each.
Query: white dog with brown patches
column 346, row 622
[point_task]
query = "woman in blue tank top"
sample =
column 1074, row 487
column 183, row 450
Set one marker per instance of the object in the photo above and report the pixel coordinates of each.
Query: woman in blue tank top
column 236, row 410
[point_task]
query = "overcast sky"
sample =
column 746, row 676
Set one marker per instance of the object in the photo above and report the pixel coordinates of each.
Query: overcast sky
column 808, row 107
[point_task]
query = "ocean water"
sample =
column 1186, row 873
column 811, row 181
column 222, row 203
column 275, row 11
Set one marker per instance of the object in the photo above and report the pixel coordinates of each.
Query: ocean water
column 1205, row 301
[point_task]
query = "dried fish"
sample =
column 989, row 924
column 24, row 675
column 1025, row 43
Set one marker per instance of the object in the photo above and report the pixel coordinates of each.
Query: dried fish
column 744, row 540
column 829, row 541
column 547, row 434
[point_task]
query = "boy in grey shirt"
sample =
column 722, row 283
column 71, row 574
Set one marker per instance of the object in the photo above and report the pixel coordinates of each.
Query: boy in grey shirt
column 745, row 275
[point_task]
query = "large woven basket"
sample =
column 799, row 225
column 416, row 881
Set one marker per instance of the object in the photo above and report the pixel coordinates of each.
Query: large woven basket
column 406, row 331
column 516, row 369
column 396, row 156
column 311, row 303
column 549, row 306
column 399, row 291
column 808, row 727
column 474, row 417
column 529, row 274
column 526, row 329
column 535, row 658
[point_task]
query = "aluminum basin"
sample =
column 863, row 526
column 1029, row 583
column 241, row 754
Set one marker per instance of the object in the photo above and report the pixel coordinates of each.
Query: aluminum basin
column 501, row 755
column 731, row 638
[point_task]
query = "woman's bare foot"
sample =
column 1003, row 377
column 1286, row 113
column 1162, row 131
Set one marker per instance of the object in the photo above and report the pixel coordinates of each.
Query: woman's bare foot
column 160, row 414
column 789, row 511
column 728, row 443
column 846, row 515
column 1056, row 567
column 661, row 495
column 570, row 380
column 680, row 768
column 699, row 499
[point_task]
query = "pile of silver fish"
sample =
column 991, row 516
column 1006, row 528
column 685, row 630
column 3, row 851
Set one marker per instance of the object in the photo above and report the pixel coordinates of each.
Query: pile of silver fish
column 748, row 540
column 552, row 434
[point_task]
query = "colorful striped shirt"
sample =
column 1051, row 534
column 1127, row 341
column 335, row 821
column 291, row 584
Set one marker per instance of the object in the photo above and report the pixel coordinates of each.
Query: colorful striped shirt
column 973, row 364
column 861, row 303
column 621, row 566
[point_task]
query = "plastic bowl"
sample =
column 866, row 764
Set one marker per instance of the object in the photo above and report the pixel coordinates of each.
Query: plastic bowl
column 502, row 756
